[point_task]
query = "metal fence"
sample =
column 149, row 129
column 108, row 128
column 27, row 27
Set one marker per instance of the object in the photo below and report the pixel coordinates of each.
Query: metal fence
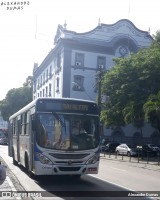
column 155, row 160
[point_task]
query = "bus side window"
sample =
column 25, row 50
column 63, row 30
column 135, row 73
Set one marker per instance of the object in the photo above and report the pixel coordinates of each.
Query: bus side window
column 14, row 127
column 18, row 126
column 21, row 124
column 33, row 122
column 24, row 121
column 27, row 122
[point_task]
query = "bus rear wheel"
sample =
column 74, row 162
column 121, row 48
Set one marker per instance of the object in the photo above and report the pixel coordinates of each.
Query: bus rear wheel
column 14, row 161
column 30, row 174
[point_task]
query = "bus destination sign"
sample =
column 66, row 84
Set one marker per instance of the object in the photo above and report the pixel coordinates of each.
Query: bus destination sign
column 75, row 107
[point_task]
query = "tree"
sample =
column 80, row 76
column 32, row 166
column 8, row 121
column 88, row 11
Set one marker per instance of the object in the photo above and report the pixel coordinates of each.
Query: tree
column 129, row 84
column 16, row 98
column 28, row 82
column 156, row 39
column 152, row 110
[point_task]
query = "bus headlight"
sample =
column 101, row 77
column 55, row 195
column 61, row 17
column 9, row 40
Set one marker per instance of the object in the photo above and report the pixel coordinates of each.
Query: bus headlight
column 43, row 159
column 93, row 159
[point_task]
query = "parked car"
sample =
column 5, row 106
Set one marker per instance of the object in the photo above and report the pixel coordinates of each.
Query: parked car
column 126, row 149
column 111, row 147
column 150, row 150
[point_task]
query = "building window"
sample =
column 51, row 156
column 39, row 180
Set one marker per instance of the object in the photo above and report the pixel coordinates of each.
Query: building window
column 46, row 91
column 43, row 93
column 57, row 85
column 47, row 75
column 34, row 86
column 43, row 78
column 58, row 67
column 78, row 84
column 58, row 61
column 38, row 85
column 50, row 71
column 101, row 62
column 50, row 89
column 41, row 81
column 79, row 60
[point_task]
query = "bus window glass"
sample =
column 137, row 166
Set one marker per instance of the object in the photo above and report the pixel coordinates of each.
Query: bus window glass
column 14, row 127
column 18, row 126
column 27, row 122
column 23, row 123
column 84, row 132
column 61, row 131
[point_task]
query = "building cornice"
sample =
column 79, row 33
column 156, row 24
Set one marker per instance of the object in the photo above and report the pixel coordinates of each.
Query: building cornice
column 103, row 31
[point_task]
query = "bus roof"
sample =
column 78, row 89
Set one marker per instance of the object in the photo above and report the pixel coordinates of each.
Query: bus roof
column 33, row 103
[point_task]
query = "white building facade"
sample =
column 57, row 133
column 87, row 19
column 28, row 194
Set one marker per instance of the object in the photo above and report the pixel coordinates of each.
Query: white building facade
column 70, row 68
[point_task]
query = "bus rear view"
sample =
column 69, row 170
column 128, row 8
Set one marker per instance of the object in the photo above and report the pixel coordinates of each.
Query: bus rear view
column 63, row 138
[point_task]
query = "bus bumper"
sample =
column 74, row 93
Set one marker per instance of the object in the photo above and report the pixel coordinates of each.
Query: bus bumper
column 41, row 169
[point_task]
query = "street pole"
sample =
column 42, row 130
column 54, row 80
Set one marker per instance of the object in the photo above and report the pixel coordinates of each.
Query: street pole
column 99, row 95
column 99, row 87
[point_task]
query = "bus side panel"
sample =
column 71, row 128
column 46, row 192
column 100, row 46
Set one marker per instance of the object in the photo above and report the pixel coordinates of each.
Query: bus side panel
column 10, row 140
column 24, row 149
column 15, row 148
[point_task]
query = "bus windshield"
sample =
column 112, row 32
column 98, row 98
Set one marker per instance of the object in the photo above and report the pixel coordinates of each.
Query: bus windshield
column 61, row 131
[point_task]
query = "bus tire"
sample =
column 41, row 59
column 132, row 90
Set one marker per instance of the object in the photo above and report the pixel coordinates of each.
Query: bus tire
column 14, row 161
column 30, row 174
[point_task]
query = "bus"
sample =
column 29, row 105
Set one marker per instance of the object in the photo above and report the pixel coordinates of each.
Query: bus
column 56, row 136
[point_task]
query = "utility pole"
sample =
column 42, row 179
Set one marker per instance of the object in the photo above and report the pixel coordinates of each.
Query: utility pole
column 99, row 76
column 99, row 86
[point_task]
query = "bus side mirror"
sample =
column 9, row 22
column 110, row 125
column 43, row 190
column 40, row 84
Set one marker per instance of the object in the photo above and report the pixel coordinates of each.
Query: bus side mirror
column 33, row 124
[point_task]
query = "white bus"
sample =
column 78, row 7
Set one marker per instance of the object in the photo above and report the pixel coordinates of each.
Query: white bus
column 56, row 136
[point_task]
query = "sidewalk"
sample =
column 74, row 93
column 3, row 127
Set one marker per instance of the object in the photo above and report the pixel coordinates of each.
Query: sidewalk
column 132, row 161
column 7, row 186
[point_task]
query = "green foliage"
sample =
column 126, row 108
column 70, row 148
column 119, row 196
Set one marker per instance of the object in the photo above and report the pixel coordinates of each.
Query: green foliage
column 28, row 82
column 16, row 98
column 152, row 104
column 129, row 84
column 157, row 39
column 152, row 110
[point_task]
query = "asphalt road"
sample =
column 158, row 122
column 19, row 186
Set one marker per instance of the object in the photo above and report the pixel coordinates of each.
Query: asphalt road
column 133, row 175
column 116, row 180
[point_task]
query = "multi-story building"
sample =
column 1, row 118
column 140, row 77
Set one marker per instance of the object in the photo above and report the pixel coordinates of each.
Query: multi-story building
column 70, row 69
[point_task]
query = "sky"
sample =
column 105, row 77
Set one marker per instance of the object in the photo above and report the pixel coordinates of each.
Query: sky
column 27, row 32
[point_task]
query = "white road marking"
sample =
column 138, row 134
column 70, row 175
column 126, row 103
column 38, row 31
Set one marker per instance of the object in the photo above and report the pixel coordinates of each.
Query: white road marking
column 119, row 169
